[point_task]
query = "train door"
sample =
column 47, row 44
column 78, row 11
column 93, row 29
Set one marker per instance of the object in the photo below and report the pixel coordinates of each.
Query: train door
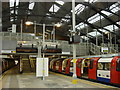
column 64, row 65
column 115, row 70
column 69, row 65
column 103, row 72
column 60, row 65
column 92, row 72
column 78, row 67
column 84, row 68
column 57, row 65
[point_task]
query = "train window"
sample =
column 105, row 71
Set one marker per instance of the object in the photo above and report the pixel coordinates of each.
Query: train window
column 100, row 66
column 91, row 63
column 71, row 64
column 104, row 66
column 107, row 66
column 118, row 65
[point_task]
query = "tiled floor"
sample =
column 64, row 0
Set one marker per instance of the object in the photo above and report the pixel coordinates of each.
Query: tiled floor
column 28, row 80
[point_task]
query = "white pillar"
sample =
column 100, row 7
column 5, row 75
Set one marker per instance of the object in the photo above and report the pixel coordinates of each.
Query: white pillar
column 74, row 46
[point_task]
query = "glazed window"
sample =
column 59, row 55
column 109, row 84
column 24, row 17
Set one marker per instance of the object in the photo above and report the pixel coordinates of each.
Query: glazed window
column 71, row 64
column 91, row 63
column 118, row 65
column 104, row 66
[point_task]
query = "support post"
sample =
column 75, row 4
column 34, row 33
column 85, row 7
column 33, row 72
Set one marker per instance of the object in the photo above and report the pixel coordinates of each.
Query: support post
column 21, row 29
column 54, row 33
column 74, row 81
column 35, row 29
column 43, row 48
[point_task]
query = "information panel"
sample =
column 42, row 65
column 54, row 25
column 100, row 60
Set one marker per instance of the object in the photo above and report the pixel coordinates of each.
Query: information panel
column 41, row 67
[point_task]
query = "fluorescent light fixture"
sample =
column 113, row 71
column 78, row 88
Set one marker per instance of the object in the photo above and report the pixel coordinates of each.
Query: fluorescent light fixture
column 12, row 3
column 59, row 2
column 31, row 5
column 36, row 38
column 54, row 8
column 32, row 34
column 28, row 23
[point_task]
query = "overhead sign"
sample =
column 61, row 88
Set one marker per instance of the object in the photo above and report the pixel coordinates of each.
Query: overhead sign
column 104, row 49
column 8, row 51
column 26, row 50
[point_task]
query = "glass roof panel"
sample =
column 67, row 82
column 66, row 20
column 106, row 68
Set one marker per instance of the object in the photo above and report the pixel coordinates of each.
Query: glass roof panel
column 95, row 18
column 110, row 27
column 94, row 33
column 118, row 22
column 59, row 2
column 106, row 13
column 114, row 8
column 54, row 8
column 12, row 3
column 17, row 2
column 90, row 1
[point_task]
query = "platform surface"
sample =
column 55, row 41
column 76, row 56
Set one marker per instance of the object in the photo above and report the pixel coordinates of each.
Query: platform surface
column 12, row 79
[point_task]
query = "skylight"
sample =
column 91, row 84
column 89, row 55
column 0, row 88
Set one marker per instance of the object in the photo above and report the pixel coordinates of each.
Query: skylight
column 90, row 1
column 59, row 2
column 106, row 13
column 54, row 8
column 12, row 3
column 31, row 5
column 102, row 30
column 94, row 33
column 110, row 27
column 79, row 8
column 95, row 18
column 17, row 2
column 118, row 22
column 81, row 26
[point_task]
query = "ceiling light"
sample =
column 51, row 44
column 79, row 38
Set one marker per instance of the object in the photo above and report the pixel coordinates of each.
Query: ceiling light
column 58, row 25
column 28, row 23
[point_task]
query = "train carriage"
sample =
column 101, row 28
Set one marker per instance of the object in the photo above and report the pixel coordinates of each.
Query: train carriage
column 104, row 69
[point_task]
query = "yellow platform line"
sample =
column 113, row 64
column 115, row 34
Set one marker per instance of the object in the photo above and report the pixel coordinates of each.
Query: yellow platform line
column 86, row 82
column 3, row 75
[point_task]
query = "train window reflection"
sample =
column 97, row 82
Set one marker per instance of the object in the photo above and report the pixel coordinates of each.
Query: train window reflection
column 104, row 66
column 118, row 65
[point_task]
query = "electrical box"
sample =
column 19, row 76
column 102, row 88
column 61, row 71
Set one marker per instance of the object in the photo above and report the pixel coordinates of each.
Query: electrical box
column 74, row 39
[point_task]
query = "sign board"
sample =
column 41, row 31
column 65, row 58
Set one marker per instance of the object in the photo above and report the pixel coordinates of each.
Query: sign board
column 14, row 28
column 8, row 51
column 104, row 49
column 65, row 52
column 41, row 67
column 26, row 50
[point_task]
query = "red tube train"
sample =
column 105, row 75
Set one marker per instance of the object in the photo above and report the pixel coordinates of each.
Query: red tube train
column 104, row 69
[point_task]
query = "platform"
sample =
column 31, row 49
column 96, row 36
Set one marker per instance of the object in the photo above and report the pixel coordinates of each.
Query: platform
column 12, row 79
